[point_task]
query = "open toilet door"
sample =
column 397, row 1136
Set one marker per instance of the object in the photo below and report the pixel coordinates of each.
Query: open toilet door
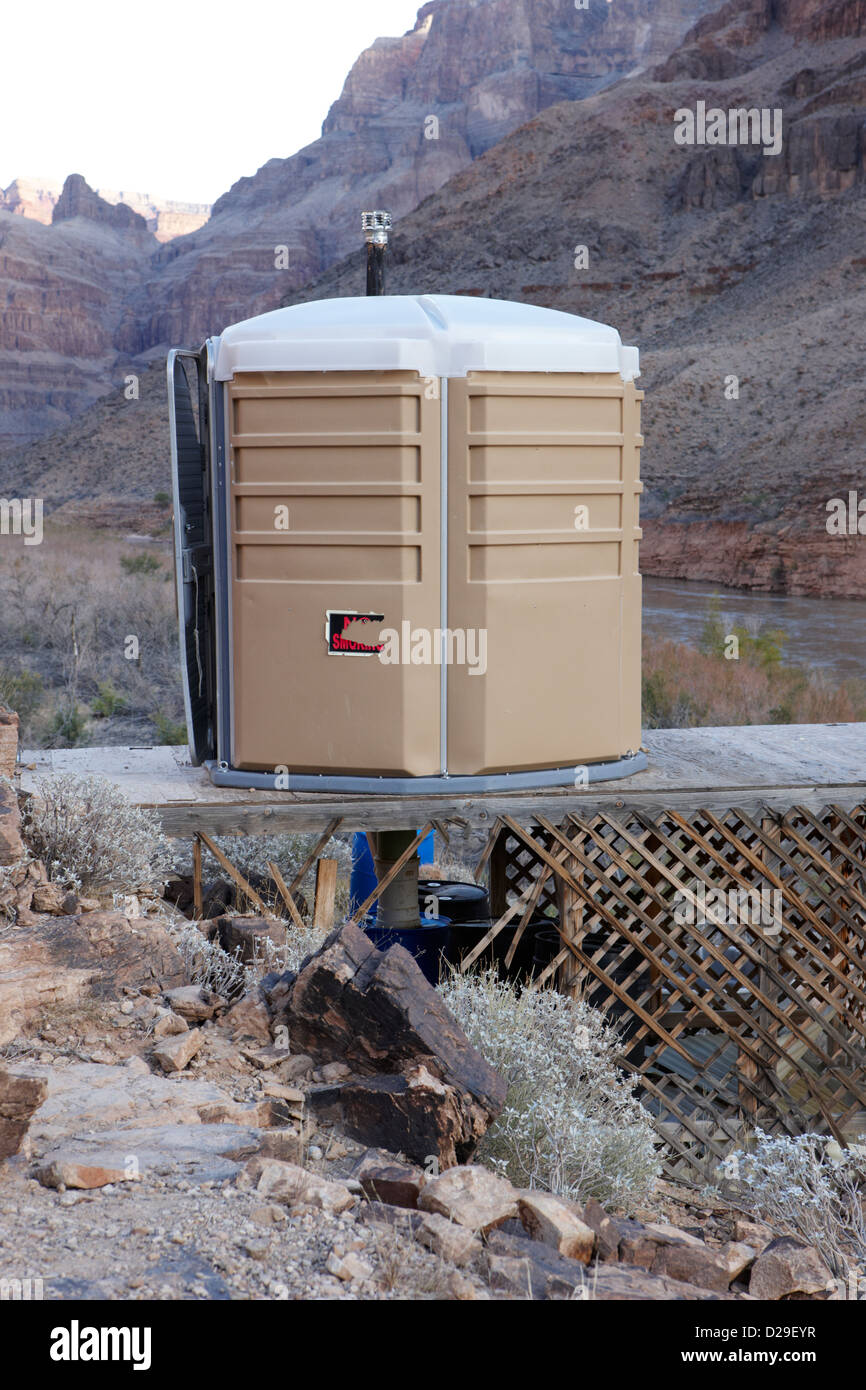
column 193, row 545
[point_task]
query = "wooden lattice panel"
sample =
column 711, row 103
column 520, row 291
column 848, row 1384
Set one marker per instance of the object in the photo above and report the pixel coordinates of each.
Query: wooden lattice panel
column 730, row 951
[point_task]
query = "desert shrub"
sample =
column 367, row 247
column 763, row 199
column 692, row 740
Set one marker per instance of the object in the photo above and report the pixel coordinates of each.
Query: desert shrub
column 88, row 835
column 289, row 953
column 75, row 612
column 801, row 1189
column 571, row 1123
column 209, row 965
column 169, row 732
column 20, row 691
column 140, row 564
column 67, row 726
column 108, row 701
column 684, row 687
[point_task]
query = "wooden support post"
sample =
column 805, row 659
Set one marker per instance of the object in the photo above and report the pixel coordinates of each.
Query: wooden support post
column 498, row 879
column 326, row 889
column 385, row 882
column 197, row 897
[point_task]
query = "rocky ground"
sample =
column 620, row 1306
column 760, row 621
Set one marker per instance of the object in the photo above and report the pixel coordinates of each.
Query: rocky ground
column 310, row 1135
column 186, row 1227
column 173, row 1152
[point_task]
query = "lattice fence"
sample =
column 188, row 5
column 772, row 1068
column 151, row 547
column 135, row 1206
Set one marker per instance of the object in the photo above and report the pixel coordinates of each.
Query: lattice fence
column 730, row 950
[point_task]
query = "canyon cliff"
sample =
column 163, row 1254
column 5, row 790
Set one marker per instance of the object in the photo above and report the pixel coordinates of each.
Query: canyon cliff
column 470, row 71
column 739, row 274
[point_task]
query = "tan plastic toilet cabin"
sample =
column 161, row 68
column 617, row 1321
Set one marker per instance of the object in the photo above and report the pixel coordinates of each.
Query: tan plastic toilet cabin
column 406, row 538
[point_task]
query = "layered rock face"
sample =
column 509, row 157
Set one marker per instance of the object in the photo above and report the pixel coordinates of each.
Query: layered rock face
column 32, row 198
column 413, row 112
column 739, row 274
column 165, row 217
column 64, row 287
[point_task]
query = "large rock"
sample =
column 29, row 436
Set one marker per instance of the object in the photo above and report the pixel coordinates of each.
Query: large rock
column 63, row 1173
column 472, row 1197
column 245, row 937
column 249, row 1017
column 59, row 960
column 20, row 1096
column 433, row 1093
column 177, row 1051
column 787, row 1268
column 454, row 1244
column 193, row 1003
column 286, row 1182
column 666, row 1250
column 199, row 1152
column 384, row 1179
column 528, row 1269
column 411, row 1112
column 555, row 1222
column 88, row 1097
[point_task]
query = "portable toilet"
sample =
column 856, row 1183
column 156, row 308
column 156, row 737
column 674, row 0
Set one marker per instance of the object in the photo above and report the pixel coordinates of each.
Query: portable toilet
column 406, row 535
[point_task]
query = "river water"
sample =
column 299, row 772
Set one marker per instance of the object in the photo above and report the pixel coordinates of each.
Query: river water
column 825, row 632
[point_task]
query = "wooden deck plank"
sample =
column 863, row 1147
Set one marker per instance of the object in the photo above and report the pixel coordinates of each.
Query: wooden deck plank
column 777, row 766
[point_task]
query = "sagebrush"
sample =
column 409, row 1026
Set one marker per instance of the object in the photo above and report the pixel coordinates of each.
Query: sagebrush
column 806, row 1188
column 224, row 972
column 89, row 836
column 571, row 1123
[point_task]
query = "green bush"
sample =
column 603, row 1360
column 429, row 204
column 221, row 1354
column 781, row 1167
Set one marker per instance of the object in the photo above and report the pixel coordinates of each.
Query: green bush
column 68, row 725
column 141, row 564
column 109, row 701
column 20, row 691
column 168, row 731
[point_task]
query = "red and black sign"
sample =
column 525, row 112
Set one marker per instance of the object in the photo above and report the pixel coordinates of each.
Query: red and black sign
column 338, row 624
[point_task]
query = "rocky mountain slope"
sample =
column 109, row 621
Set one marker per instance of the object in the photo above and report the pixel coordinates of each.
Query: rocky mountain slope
column 61, row 308
column 740, row 275
column 720, row 263
column 414, row 111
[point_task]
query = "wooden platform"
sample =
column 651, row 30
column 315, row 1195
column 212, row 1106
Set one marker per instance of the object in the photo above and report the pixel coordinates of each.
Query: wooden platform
column 773, row 766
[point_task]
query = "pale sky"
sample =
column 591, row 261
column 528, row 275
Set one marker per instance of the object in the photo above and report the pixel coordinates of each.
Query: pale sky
column 175, row 98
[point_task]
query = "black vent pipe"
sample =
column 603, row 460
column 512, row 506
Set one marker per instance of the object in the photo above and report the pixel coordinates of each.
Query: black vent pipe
column 376, row 226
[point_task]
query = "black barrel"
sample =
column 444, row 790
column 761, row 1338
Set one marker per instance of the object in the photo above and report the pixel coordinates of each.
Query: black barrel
column 460, row 902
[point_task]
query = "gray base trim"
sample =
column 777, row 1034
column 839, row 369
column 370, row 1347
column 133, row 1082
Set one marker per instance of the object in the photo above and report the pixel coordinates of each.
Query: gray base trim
column 223, row 776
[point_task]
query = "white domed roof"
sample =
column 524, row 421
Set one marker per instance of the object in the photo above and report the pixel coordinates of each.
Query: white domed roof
column 436, row 335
